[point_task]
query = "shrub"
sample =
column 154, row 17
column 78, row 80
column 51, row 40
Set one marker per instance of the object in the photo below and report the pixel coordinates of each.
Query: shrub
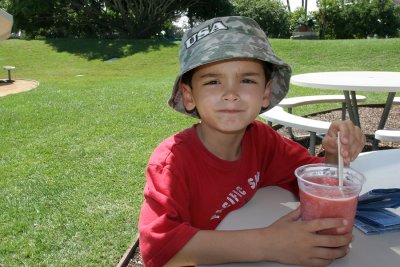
column 358, row 18
column 299, row 21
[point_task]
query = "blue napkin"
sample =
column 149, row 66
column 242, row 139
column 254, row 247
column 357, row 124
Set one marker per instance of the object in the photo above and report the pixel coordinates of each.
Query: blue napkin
column 373, row 215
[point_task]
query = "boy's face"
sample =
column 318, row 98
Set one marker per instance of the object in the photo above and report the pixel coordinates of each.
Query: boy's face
column 228, row 94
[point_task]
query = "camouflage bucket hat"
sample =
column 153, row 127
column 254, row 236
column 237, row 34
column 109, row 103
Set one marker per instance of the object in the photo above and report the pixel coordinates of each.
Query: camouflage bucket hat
column 226, row 38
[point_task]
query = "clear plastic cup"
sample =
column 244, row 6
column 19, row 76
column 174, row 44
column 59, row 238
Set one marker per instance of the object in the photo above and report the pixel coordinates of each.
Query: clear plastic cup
column 322, row 197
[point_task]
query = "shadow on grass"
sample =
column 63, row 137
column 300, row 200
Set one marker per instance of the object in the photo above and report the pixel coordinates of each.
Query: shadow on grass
column 105, row 49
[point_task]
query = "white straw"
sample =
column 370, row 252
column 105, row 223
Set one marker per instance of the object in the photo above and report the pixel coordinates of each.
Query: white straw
column 340, row 161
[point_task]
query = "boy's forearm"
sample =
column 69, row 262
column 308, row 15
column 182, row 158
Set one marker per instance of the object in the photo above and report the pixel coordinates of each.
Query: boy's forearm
column 213, row 247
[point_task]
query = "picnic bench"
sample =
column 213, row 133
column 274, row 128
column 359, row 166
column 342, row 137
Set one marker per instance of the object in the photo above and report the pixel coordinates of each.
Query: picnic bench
column 291, row 102
column 388, row 135
column 279, row 116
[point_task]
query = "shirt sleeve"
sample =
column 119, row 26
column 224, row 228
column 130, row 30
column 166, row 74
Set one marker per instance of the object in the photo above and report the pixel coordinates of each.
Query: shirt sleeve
column 164, row 223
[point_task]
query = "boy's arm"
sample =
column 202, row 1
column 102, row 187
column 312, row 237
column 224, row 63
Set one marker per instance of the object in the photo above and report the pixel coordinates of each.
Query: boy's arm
column 289, row 240
column 352, row 139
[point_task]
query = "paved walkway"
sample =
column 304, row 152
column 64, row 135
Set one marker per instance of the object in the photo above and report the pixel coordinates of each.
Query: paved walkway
column 17, row 86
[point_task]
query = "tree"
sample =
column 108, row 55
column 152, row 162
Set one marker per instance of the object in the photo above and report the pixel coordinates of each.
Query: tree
column 288, row 5
column 271, row 15
column 144, row 18
column 28, row 14
column 100, row 18
column 4, row 4
column 300, row 21
column 204, row 10
column 358, row 18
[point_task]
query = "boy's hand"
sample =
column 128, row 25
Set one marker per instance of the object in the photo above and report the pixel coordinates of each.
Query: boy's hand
column 299, row 243
column 352, row 139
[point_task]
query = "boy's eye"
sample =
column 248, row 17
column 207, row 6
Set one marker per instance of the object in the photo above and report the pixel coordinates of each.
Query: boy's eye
column 211, row 82
column 248, row 81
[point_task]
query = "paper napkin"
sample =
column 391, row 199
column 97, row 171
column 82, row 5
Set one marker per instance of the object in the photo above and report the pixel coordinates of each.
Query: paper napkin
column 378, row 211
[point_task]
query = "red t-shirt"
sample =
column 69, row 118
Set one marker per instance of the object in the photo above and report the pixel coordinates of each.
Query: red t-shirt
column 189, row 189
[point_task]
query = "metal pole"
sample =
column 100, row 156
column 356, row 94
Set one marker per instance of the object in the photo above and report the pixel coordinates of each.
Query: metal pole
column 385, row 115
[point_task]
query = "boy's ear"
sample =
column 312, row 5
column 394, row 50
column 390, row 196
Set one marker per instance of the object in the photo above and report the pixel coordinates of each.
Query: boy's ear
column 267, row 94
column 187, row 96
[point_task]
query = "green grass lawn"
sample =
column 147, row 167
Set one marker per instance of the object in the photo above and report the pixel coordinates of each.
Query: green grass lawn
column 73, row 151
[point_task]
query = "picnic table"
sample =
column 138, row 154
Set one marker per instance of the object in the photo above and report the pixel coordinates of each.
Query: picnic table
column 352, row 81
column 270, row 203
column 9, row 69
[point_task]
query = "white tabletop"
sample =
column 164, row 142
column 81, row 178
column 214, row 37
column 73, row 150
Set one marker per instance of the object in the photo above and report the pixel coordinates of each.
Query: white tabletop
column 376, row 81
column 381, row 169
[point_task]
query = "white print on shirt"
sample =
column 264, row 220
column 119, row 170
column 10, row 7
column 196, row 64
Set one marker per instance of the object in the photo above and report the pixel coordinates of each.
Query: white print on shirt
column 236, row 195
column 254, row 181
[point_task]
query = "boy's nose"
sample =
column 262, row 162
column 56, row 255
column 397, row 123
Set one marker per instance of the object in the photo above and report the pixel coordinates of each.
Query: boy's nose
column 231, row 96
column 230, row 93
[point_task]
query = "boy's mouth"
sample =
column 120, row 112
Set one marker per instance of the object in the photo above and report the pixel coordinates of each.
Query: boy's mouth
column 229, row 111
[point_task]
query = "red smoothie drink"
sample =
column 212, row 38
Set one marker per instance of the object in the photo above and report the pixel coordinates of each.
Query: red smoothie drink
column 333, row 204
column 322, row 197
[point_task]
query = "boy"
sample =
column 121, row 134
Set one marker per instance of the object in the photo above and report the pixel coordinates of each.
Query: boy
column 229, row 74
